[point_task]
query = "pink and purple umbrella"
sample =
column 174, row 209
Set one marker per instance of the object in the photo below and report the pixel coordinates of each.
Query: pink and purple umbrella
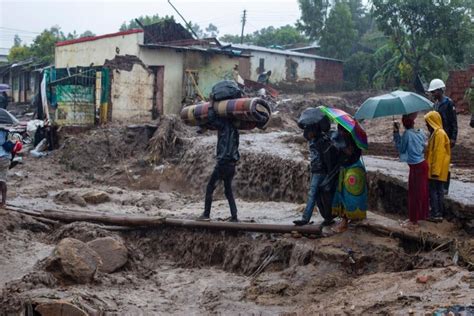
column 349, row 124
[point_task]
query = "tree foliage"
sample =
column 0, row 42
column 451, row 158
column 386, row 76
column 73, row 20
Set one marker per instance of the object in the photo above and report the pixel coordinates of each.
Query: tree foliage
column 43, row 45
column 425, row 34
column 284, row 36
column 145, row 20
column 339, row 34
column 313, row 17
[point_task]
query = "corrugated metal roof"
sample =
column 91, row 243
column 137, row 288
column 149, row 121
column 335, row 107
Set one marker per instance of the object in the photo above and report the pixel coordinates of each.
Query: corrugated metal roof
column 198, row 49
column 280, row 52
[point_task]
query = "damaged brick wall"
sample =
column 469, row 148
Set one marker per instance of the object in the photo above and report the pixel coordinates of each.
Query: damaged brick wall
column 457, row 84
column 328, row 75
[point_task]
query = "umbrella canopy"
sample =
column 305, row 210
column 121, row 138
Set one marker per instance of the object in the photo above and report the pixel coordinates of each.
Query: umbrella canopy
column 7, row 118
column 4, row 87
column 349, row 124
column 394, row 103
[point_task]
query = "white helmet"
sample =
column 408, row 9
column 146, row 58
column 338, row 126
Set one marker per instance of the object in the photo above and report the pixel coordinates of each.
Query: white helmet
column 436, row 84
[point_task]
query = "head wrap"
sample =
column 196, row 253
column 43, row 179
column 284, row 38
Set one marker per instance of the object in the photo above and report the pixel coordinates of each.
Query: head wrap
column 408, row 121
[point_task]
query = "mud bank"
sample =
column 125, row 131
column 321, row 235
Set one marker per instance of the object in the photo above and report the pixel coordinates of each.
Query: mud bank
column 177, row 271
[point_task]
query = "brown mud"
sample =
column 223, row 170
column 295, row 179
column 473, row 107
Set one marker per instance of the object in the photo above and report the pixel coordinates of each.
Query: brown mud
column 161, row 169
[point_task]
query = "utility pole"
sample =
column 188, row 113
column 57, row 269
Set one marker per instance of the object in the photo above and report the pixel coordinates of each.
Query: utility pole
column 244, row 19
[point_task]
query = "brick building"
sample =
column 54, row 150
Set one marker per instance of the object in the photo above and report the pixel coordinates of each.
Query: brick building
column 291, row 71
column 457, row 84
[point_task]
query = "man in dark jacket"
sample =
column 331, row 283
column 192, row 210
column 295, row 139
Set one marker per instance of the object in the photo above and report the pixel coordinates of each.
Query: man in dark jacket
column 446, row 108
column 323, row 159
column 227, row 155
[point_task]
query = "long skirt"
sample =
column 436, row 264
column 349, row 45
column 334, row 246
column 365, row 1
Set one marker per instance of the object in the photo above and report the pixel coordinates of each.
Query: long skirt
column 350, row 199
column 418, row 192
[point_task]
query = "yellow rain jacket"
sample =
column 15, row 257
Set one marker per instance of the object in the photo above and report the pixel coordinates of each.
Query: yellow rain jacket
column 438, row 153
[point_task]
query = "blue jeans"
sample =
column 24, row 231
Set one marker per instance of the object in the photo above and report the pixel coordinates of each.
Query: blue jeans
column 316, row 179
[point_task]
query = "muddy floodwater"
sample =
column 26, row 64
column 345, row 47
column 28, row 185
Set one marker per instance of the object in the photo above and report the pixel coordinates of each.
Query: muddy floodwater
column 182, row 271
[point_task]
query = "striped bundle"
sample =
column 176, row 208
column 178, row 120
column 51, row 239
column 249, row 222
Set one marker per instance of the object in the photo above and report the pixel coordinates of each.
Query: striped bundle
column 247, row 113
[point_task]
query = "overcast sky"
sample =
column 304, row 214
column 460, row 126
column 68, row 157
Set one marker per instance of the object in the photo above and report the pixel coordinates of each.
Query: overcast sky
column 30, row 17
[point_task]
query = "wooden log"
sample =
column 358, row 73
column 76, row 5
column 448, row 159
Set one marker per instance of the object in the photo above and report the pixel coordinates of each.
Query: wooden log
column 148, row 221
column 422, row 238
column 243, row 226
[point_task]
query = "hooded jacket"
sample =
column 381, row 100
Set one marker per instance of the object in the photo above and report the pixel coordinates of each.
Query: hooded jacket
column 438, row 153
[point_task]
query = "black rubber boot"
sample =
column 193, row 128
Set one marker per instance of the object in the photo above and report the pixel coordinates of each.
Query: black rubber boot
column 300, row 222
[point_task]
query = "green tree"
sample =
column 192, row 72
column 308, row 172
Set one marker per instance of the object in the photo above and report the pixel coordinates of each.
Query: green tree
column 425, row 34
column 18, row 53
column 269, row 36
column 359, row 71
column 145, row 20
column 313, row 17
column 87, row 34
column 211, row 30
column 43, row 45
column 339, row 34
column 283, row 36
column 360, row 17
column 17, row 40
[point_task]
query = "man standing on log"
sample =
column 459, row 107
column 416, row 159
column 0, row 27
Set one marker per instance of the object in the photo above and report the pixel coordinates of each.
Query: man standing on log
column 227, row 156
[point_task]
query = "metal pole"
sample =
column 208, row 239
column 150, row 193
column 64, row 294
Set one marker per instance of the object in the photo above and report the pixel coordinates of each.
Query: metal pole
column 189, row 25
column 244, row 19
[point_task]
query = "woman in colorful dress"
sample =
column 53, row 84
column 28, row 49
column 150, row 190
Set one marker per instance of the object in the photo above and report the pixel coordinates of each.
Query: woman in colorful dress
column 350, row 199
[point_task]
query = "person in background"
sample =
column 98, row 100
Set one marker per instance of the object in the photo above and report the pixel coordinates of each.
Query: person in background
column 438, row 157
column 350, row 199
column 5, row 160
column 3, row 100
column 446, row 108
column 411, row 146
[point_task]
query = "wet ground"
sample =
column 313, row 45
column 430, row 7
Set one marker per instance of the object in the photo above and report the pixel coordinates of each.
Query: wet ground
column 180, row 271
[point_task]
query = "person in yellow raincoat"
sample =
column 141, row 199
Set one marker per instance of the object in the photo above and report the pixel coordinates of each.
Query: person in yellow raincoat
column 438, row 157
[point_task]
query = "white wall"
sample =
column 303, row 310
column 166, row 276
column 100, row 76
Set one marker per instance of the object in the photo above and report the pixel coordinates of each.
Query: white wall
column 97, row 51
column 277, row 64
column 173, row 75
column 132, row 94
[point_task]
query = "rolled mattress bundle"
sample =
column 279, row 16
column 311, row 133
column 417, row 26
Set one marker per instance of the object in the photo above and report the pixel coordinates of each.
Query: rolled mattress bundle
column 247, row 113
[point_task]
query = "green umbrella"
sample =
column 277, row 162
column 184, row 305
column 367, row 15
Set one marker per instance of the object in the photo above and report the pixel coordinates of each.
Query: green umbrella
column 394, row 103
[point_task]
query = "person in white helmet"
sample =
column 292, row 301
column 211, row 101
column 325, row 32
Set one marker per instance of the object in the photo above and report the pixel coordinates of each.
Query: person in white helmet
column 446, row 108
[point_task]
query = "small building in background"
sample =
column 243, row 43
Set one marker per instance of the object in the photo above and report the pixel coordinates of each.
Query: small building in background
column 291, row 71
column 23, row 77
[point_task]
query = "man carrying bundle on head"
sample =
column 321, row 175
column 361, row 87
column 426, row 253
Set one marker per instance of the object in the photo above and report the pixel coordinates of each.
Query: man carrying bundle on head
column 227, row 149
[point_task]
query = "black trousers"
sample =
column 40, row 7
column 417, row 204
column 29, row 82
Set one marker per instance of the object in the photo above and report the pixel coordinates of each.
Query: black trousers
column 436, row 198
column 225, row 172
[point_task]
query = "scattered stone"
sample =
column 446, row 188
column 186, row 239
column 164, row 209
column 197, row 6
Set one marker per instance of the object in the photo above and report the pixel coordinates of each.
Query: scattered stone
column 70, row 197
column 96, row 197
column 75, row 260
column 59, row 308
column 422, row 279
column 112, row 252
